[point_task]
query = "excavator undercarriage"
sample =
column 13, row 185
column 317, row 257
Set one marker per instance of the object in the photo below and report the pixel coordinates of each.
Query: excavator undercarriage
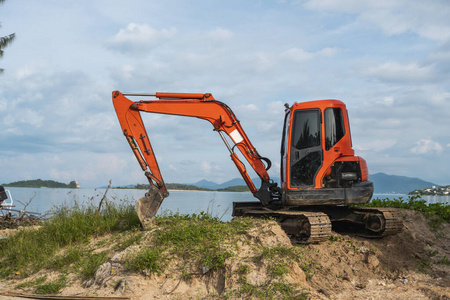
column 314, row 224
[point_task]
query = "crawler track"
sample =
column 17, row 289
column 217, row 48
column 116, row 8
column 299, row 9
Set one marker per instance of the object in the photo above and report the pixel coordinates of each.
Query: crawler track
column 303, row 227
column 391, row 217
column 313, row 224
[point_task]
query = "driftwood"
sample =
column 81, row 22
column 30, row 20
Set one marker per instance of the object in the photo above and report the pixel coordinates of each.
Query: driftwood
column 104, row 197
column 13, row 218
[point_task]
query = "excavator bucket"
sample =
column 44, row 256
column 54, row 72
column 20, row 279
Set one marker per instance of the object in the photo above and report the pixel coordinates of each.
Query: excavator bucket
column 148, row 206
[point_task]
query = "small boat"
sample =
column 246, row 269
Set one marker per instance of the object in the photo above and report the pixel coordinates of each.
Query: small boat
column 5, row 195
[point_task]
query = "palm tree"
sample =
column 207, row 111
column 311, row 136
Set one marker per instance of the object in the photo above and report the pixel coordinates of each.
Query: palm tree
column 5, row 40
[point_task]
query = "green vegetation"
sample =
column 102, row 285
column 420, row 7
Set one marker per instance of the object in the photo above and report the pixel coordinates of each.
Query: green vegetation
column 5, row 41
column 275, row 290
column 278, row 259
column 237, row 188
column 70, row 242
column 50, row 287
column 39, row 183
column 444, row 261
column 437, row 212
column 29, row 250
column 196, row 237
column 41, row 286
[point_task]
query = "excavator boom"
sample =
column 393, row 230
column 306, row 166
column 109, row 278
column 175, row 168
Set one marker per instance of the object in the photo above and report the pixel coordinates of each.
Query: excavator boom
column 202, row 106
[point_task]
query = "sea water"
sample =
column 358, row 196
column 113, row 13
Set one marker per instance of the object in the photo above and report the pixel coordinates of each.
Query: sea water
column 218, row 204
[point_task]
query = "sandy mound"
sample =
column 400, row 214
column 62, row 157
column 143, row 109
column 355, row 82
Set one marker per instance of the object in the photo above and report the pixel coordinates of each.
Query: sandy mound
column 413, row 264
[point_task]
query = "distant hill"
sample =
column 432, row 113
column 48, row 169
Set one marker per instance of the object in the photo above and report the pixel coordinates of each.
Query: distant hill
column 233, row 182
column 39, row 183
column 394, row 184
column 207, row 184
column 383, row 183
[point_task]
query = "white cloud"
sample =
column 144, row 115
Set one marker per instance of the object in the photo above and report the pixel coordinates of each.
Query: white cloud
column 205, row 166
column 276, row 107
column 28, row 70
column 376, row 145
column 328, row 52
column 440, row 98
column 386, row 101
column 427, row 19
column 267, row 126
column 140, row 38
column 394, row 71
column 300, row 55
column 141, row 33
column 263, row 61
column 427, row 146
column 249, row 107
column 220, row 34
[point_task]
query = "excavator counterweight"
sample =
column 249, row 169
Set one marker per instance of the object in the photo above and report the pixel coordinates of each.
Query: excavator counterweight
column 320, row 175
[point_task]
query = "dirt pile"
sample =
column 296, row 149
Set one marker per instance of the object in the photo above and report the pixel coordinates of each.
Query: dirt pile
column 413, row 264
column 262, row 264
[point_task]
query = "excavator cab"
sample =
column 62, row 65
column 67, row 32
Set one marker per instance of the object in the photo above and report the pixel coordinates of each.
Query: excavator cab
column 318, row 165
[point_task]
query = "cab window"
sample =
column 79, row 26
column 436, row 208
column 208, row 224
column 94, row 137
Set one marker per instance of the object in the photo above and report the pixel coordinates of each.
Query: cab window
column 306, row 132
column 334, row 127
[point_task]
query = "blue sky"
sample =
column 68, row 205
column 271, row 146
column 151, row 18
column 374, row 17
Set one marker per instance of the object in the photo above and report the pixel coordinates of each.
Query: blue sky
column 389, row 61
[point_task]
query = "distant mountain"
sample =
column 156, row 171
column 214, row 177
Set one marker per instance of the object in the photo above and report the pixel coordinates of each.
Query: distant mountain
column 233, row 182
column 207, row 184
column 383, row 183
column 394, row 184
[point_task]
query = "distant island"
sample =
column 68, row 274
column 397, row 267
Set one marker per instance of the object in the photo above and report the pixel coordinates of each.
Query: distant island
column 39, row 183
column 383, row 183
column 433, row 191
column 188, row 187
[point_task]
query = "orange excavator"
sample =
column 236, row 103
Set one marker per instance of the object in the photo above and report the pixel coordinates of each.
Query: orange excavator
column 320, row 175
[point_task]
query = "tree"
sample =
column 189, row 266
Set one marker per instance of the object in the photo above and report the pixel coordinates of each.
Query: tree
column 5, row 40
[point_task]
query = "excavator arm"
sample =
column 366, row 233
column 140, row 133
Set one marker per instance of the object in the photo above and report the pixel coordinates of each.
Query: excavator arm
column 202, row 106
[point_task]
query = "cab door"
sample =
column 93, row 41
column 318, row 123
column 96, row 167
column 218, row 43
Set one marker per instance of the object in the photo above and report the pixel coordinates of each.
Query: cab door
column 306, row 154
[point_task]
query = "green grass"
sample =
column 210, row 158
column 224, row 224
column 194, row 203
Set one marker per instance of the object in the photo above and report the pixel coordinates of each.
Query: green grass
column 278, row 269
column 147, row 260
column 129, row 240
column 52, row 287
column 71, row 255
column 90, row 263
column 278, row 251
column 444, row 261
column 197, row 237
column 41, row 286
column 272, row 290
column 30, row 250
